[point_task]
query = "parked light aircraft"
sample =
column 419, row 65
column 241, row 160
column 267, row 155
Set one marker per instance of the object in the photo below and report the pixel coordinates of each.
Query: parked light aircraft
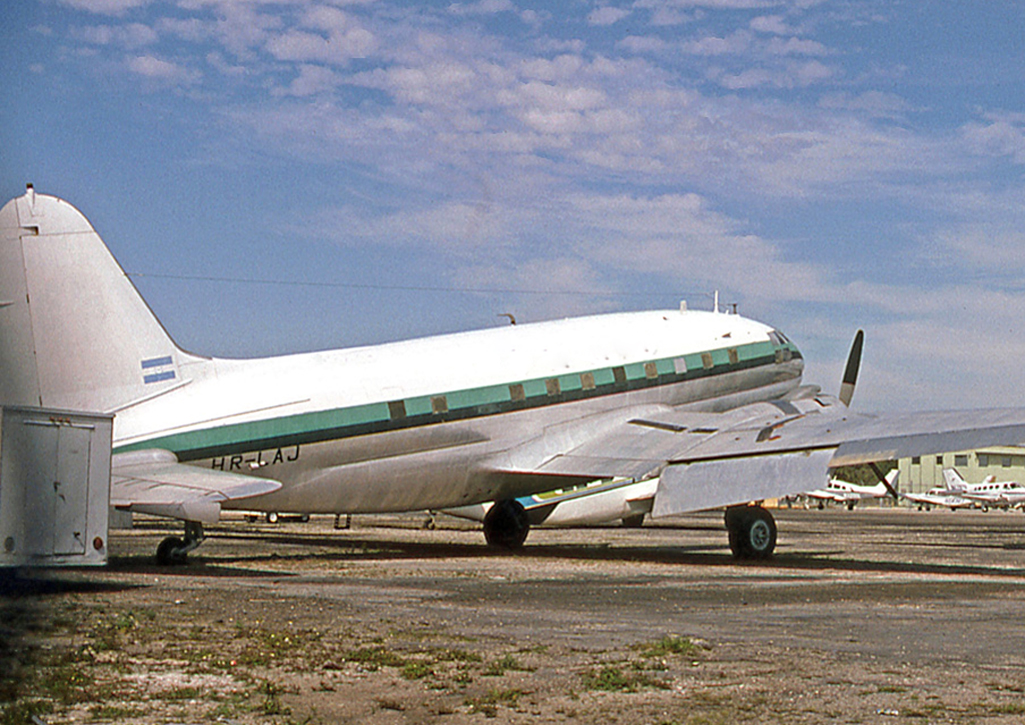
column 849, row 494
column 712, row 403
column 597, row 502
column 991, row 492
column 938, row 497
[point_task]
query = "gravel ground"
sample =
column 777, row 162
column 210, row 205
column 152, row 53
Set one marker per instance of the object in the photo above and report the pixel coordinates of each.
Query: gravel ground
column 870, row 616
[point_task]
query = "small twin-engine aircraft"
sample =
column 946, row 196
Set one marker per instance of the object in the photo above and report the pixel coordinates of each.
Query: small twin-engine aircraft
column 711, row 403
column 989, row 493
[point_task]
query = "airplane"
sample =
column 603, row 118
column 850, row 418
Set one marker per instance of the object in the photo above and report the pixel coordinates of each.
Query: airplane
column 991, row 492
column 938, row 496
column 850, row 494
column 710, row 402
column 597, row 502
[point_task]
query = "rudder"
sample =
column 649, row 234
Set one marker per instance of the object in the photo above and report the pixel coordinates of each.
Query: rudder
column 74, row 331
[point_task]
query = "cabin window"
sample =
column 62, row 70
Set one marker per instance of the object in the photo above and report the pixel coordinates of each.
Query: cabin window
column 679, row 365
column 1005, row 461
column 916, row 460
column 983, row 460
column 397, row 409
column 650, row 371
column 734, row 355
column 706, row 360
column 939, row 460
column 552, row 386
column 516, row 393
column 961, row 460
column 587, row 381
column 619, row 375
column 439, row 404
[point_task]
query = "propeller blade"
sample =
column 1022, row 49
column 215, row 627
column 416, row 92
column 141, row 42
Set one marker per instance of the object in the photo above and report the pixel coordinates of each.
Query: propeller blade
column 850, row 373
column 882, row 478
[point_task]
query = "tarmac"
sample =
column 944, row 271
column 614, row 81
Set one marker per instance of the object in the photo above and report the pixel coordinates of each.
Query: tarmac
column 862, row 616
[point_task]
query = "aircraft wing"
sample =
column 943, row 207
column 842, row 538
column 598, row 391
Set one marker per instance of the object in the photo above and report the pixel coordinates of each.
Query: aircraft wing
column 154, row 482
column 763, row 450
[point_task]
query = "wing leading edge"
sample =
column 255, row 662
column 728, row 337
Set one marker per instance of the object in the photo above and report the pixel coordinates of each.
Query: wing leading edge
column 154, row 482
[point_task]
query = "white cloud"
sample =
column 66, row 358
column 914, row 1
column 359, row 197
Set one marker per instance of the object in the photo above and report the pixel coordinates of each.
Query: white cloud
column 1002, row 135
column 607, row 15
column 131, row 36
column 339, row 47
column 153, row 68
column 880, row 104
column 482, row 7
column 312, row 79
column 106, row 7
column 733, row 44
column 773, row 24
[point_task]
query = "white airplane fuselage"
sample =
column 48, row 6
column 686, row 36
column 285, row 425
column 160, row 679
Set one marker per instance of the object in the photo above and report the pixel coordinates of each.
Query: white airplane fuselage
column 413, row 425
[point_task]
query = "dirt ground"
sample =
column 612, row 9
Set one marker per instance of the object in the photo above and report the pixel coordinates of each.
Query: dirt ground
column 870, row 616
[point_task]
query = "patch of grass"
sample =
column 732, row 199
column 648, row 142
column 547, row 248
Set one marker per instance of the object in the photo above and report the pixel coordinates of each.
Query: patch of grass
column 500, row 666
column 21, row 711
column 67, row 684
column 670, row 644
column 373, row 658
column 270, row 703
column 177, row 694
column 613, row 678
column 1008, row 708
column 115, row 712
column 489, row 703
column 416, row 670
column 454, row 654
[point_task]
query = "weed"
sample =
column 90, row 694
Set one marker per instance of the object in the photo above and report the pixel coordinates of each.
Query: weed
column 373, row 658
column 500, row 666
column 271, row 703
column 22, row 711
column 488, row 704
column 1009, row 708
column 892, row 689
column 416, row 670
column 670, row 644
column 610, row 678
column 115, row 712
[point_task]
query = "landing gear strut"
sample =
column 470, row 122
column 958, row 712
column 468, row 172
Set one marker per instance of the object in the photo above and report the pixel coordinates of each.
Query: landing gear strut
column 506, row 524
column 174, row 551
column 752, row 532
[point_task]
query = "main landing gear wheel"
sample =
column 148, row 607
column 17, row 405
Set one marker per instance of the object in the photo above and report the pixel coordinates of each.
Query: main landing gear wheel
column 752, row 532
column 174, row 551
column 506, row 524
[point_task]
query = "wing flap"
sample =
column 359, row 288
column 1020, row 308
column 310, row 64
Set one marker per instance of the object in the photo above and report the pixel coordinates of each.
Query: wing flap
column 154, row 482
column 713, row 484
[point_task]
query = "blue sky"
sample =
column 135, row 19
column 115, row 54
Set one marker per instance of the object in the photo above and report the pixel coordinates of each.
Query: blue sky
column 390, row 169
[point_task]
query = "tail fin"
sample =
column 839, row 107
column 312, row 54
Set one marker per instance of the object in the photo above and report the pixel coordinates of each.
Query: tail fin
column 74, row 331
column 953, row 479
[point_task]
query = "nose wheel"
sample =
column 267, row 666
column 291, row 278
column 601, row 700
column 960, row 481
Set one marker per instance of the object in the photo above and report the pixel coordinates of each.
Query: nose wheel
column 752, row 532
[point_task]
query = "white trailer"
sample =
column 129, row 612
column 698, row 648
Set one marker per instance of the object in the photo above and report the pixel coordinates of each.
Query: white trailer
column 54, row 487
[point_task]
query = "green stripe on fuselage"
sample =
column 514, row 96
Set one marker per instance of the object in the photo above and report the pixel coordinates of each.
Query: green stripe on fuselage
column 321, row 426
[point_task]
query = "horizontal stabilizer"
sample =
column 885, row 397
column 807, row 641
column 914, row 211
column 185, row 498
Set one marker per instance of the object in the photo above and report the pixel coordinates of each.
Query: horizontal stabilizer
column 712, row 484
column 154, row 482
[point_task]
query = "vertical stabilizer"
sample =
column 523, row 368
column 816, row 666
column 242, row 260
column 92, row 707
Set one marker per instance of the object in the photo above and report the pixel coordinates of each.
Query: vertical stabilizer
column 74, row 331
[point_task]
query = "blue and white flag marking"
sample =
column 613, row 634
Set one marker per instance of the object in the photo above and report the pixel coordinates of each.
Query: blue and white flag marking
column 158, row 369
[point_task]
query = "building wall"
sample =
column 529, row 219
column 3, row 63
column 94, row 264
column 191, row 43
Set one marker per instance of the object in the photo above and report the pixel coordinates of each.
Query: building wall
column 922, row 473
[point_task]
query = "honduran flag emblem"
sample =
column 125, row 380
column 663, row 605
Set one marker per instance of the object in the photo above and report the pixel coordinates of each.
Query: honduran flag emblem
column 158, row 369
